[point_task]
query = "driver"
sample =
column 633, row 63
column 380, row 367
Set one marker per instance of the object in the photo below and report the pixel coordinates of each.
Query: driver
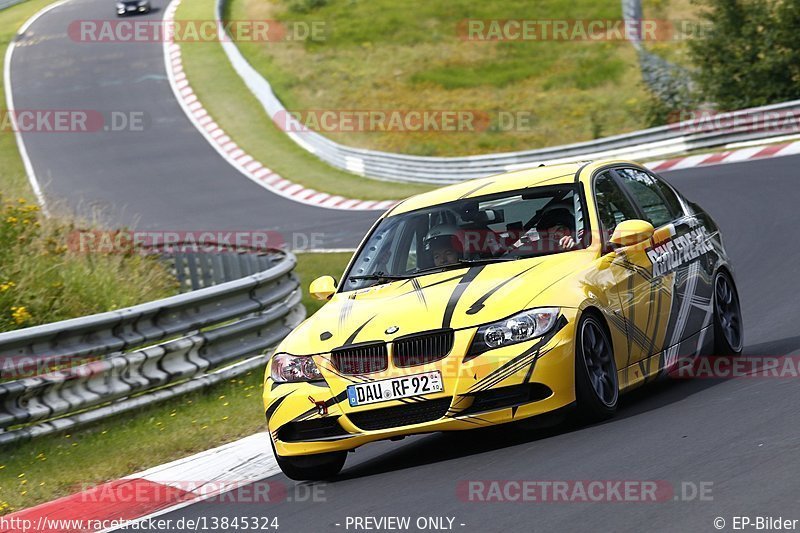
column 557, row 228
column 444, row 245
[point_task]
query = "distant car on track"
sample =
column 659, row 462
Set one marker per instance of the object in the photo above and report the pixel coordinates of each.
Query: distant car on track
column 131, row 7
column 499, row 299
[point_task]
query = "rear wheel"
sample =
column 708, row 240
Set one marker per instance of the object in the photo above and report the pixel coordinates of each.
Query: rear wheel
column 596, row 384
column 314, row 467
column 727, row 316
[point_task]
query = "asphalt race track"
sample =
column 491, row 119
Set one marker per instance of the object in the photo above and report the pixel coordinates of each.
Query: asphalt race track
column 740, row 435
column 165, row 177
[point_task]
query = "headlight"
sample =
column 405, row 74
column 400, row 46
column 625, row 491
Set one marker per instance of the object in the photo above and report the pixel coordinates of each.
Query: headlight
column 521, row 327
column 289, row 368
column 120, row 5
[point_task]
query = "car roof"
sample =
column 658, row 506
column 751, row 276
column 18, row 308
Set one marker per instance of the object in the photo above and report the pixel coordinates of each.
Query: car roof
column 519, row 179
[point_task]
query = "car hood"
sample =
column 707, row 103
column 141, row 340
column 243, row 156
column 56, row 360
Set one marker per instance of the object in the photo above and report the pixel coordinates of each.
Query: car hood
column 458, row 298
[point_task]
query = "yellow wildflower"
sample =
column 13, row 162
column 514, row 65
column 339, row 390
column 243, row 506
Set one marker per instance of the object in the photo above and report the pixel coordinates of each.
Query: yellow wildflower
column 20, row 314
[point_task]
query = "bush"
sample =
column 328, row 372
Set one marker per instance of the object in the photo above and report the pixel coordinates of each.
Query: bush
column 43, row 280
column 748, row 54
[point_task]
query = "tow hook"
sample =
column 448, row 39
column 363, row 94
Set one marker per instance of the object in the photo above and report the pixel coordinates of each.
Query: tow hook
column 322, row 407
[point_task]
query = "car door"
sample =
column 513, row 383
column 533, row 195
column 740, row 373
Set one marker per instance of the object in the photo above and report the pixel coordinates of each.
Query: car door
column 678, row 256
column 642, row 298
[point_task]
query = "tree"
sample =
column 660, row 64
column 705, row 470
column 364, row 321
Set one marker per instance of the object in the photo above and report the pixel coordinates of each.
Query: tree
column 748, row 53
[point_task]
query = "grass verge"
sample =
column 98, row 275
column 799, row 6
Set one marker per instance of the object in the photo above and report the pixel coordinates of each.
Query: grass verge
column 387, row 55
column 61, row 464
column 236, row 110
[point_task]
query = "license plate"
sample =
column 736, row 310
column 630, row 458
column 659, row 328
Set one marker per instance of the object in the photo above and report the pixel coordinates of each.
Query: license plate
column 394, row 388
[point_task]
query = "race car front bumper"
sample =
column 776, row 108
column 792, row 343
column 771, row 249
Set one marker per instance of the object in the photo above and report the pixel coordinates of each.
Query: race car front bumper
column 498, row 386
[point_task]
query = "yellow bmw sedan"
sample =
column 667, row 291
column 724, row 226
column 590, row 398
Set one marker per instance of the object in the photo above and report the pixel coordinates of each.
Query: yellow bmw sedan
column 500, row 299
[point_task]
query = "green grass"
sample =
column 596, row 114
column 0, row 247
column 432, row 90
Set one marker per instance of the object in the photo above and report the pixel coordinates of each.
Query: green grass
column 685, row 14
column 237, row 111
column 382, row 54
column 60, row 464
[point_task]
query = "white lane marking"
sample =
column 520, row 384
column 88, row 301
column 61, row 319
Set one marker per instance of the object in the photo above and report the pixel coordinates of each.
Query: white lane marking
column 23, row 152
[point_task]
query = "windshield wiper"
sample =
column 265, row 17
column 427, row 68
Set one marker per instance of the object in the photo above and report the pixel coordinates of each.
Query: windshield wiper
column 486, row 260
column 461, row 263
column 379, row 276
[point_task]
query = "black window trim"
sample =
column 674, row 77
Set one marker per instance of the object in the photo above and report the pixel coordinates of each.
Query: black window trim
column 674, row 216
column 669, row 186
column 611, row 169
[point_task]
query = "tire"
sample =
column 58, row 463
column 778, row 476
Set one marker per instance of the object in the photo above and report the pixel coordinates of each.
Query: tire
column 596, row 383
column 728, row 330
column 316, row 467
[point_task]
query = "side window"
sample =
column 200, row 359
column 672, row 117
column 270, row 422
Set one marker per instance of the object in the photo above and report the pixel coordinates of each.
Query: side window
column 411, row 257
column 613, row 206
column 669, row 195
column 648, row 193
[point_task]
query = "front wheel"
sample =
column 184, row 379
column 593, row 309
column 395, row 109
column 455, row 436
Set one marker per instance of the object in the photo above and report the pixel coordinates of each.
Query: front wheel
column 727, row 316
column 596, row 384
column 316, row 467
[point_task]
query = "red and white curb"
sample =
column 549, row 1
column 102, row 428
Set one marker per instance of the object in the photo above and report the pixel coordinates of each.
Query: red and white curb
column 730, row 156
column 156, row 491
column 233, row 154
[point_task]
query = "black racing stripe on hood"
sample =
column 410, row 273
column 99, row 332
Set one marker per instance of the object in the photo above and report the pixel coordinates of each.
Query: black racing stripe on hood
column 458, row 292
column 440, row 282
column 418, row 290
column 479, row 303
column 344, row 311
column 353, row 335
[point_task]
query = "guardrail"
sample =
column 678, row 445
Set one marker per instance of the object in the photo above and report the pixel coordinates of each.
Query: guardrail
column 656, row 142
column 121, row 360
column 8, row 3
column 196, row 270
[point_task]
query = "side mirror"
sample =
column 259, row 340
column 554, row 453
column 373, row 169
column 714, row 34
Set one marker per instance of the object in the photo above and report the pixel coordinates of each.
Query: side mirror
column 322, row 288
column 631, row 232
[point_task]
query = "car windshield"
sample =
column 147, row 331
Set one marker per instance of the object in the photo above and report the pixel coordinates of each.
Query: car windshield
column 499, row 227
